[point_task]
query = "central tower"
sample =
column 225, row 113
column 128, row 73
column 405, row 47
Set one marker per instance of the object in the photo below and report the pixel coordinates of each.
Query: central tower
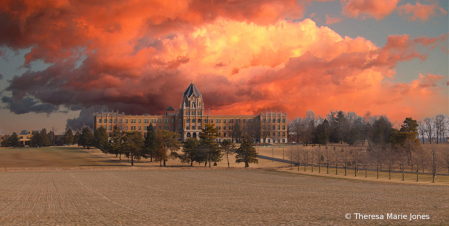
column 192, row 110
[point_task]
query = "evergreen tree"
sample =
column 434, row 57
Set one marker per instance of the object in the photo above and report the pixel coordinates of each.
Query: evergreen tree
column 76, row 138
column 133, row 145
column 5, row 142
column 191, row 151
column 36, row 139
column 116, row 142
column 208, row 137
column 14, row 140
column 150, row 142
column 101, row 139
column 45, row 138
column 68, row 137
column 237, row 132
column 87, row 139
column 246, row 153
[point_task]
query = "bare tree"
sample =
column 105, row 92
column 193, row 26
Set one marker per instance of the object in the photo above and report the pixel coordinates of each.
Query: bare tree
column 420, row 162
column 445, row 158
column 345, row 158
column 439, row 126
column 422, row 130
column 429, row 127
column 402, row 160
column 390, row 158
column 329, row 155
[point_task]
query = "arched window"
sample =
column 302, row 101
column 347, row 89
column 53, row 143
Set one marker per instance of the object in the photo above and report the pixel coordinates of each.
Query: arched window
column 194, row 135
column 199, row 120
column 188, row 134
column 193, row 120
column 193, row 104
column 188, row 120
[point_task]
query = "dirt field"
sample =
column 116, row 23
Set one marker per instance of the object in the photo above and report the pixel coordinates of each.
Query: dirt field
column 80, row 187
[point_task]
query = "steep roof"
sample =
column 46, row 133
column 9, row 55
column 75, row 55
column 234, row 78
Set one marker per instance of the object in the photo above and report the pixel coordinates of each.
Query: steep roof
column 192, row 90
column 170, row 108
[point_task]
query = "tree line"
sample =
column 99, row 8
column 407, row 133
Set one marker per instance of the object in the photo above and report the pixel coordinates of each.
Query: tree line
column 163, row 145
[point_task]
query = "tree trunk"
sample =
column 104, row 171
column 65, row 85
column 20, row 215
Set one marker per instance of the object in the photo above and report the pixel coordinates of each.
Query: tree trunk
column 336, row 168
column 191, row 163
column 345, row 169
column 389, row 173
column 402, row 173
column 417, row 174
column 205, row 163
column 209, row 158
column 366, row 172
column 132, row 159
column 227, row 157
column 164, row 162
column 377, row 171
column 120, row 158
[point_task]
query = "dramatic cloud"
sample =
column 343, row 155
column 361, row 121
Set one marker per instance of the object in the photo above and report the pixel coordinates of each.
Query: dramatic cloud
column 369, row 8
column 27, row 105
column 420, row 11
column 84, row 119
column 242, row 55
column 1, row 76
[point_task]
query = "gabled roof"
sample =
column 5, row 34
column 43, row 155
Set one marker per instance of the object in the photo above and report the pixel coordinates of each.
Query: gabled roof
column 192, row 90
column 170, row 108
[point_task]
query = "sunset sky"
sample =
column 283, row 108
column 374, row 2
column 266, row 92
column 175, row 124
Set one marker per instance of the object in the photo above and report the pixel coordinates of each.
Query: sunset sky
column 65, row 59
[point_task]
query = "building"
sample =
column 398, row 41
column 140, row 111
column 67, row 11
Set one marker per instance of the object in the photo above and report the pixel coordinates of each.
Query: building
column 188, row 121
column 25, row 137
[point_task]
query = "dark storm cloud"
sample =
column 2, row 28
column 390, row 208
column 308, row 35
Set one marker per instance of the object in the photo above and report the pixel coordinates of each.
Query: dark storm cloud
column 27, row 105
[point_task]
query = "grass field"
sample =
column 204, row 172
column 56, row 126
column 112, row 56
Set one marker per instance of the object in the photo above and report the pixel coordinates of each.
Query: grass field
column 72, row 186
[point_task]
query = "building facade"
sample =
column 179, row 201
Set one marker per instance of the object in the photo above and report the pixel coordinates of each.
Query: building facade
column 190, row 118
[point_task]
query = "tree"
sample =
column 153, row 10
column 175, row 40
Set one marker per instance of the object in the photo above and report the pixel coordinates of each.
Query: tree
column 87, row 139
column 168, row 142
column 45, row 139
column 76, row 138
column 14, row 140
column 439, row 126
column 237, row 132
column 227, row 146
column 389, row 158
column 36, row 139
column 101, row 139
column 422, row 130
column 150, row 142
column 429, row 128
column 133, row 145
column 382, row 128
column 5, row 142
column 116, row 142
column 321, row 132
column 208, row 137
column 246, row 153
column 68, row 137
column 191, row 150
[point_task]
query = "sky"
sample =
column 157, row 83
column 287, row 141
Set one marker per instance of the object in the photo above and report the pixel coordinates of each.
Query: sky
column 62, row 60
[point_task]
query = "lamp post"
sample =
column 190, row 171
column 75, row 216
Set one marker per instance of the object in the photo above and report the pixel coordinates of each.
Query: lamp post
column 272, row 155
column 282, row 151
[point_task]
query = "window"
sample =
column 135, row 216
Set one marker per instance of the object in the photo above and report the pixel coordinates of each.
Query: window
column 160, row 127
column 274, row 134
column 173, row 128
column 115, row 120
column 283, row 134
column 224, row 134
column 172, row 120
column 224, row 120
column 179, row 126
column 179, row 120
column 126, row 128
column 244, row 120
column 279, row 134
column 193, row 120
column 110, row 127
column 283, row 127
column 154, row 127
column 187, row 127
column 279, row 127
column 188, row 120
column 126, row 122
column 279, row 120
column 140, row 120
column 140, row 128
column 219, row 127
column 193, row 127
column 120, row 121
column 218, row 120
column 268, row 140
column 273, row 128
column 283, row 140
column 199, row 120
column 165, row 127
column 159, row 120
column 224, row 127
column 205, row 120
column 104, row 127
column 264, row 120
column 211, row 121
column 110, row 120
column 283, row 120
column 100, row 121
column 144, row 128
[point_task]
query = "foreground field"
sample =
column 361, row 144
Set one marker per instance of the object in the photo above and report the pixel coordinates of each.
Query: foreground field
column 212, row 197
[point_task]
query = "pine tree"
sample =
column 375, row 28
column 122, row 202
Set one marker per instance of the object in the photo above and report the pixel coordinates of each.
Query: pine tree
column 101, row 139
column 87, row 138
column 76, row 138
column 227, row 146
column 191, row 150
column 166, row 141
column 116, row 142
column 246, row 153
column 36, row 139
column 208, row 137
column 150, row 142
column 133, row 145
column 68, row 137
column 45, row 139
column 14, row 140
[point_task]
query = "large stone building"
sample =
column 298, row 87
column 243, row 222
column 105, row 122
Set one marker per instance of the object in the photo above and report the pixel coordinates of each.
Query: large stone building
column 268, row 127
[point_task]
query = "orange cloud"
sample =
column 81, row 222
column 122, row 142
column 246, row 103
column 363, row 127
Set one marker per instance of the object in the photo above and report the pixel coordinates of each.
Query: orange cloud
column 369, row 8
column 332, row 20
column 420, row 11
